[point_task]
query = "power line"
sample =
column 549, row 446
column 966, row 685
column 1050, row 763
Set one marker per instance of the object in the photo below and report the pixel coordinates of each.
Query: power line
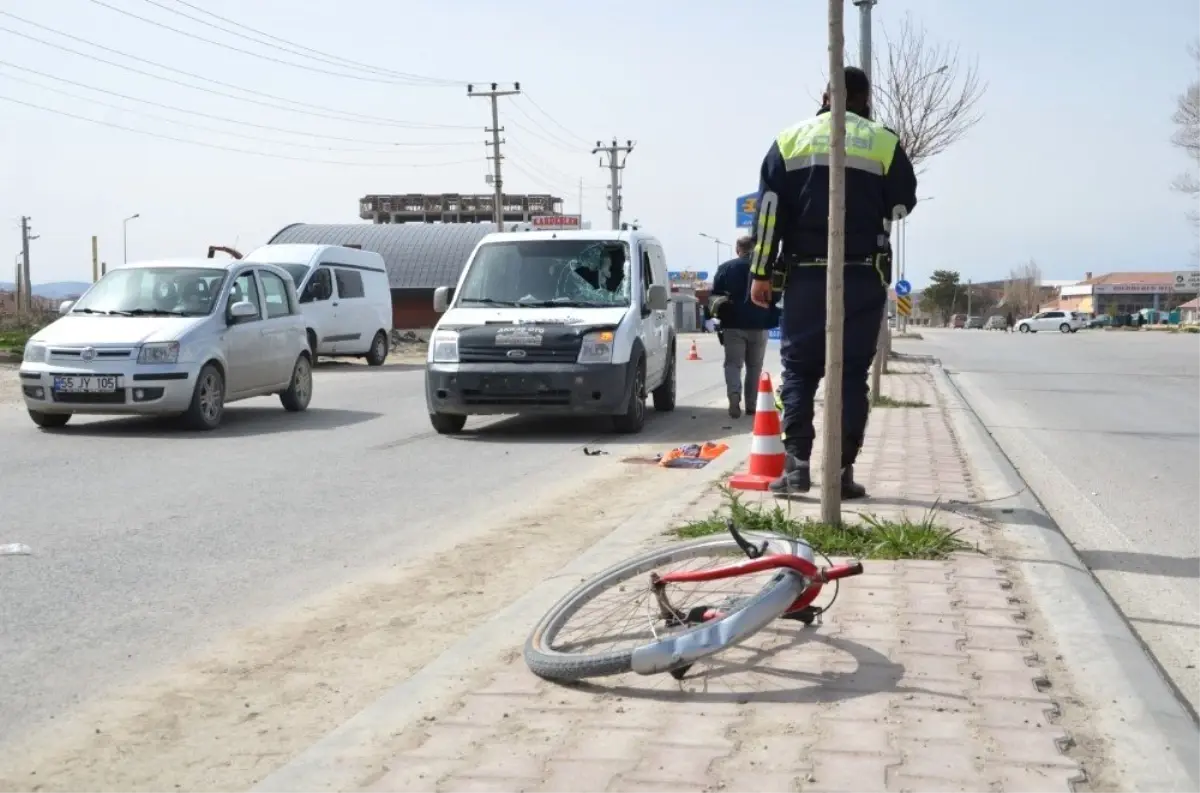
column 237, row 121
column 243, row 50
column 552, row 173
column 310, row 109
column 259, row 138
column 548, row 137
column 555, row 121
column 335, row 60
column 231, row 148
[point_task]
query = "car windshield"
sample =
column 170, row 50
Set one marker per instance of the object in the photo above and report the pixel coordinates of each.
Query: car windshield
column 168, row 291
column 297, row 272
column 548, row 272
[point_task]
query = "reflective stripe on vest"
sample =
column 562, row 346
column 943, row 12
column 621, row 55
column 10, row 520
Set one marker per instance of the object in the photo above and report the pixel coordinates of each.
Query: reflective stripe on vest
column 870, row 146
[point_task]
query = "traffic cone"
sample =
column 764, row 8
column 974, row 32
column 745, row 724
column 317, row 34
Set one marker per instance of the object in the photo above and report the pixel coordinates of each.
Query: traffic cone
column 766, row 447
column 693, row 354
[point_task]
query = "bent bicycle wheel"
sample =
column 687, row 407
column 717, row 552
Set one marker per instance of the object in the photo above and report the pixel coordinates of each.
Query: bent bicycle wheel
column 647, row 629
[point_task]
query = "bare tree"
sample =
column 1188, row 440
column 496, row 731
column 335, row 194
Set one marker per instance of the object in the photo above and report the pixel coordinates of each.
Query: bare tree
column 1022, row 290
column 1187, row 137
column 924, row 92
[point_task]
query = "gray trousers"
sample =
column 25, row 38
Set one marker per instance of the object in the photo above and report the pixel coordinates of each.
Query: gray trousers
column 744, row 348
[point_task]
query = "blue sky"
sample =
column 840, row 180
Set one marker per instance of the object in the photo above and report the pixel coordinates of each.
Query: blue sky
column 1071, row 165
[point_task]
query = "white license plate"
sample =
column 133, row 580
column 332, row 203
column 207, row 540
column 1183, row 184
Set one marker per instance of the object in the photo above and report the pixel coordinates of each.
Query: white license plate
column 86, row 384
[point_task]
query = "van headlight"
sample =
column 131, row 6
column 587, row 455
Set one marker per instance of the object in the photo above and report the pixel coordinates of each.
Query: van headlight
column 597, row 347
column 159, row 352
column 443, row 347
column 34, row 353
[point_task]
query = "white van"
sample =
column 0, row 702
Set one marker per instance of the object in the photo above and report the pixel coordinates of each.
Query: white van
column 554, row 322
column 344, row 296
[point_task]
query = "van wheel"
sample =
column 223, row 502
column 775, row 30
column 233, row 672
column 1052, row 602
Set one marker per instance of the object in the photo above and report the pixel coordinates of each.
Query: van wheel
column 312, row 345
column 634, row 418
column 299, row 391
column 664, row 395
column 208, row 400
column 379, row 350
column 49, row 421
column 447, row 423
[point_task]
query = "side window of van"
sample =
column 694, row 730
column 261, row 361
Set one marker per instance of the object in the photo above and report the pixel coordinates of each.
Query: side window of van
column 320, row 286
column 350, row 283
column 647, row 272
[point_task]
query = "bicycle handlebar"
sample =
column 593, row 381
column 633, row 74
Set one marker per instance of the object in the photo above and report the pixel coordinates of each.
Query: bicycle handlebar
column 843, row 571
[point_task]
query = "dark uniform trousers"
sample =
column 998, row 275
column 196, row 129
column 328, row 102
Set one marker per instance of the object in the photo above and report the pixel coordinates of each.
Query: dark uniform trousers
column 802, row 350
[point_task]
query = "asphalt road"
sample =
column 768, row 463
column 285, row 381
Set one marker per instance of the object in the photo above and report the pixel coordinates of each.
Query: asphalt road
column 147, row 541
column 1105, row 429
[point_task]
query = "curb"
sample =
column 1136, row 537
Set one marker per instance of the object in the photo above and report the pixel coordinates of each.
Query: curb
column 348, row 754
column 1157, row 746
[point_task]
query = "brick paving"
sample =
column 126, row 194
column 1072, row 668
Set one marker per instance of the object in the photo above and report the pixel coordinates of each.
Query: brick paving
column 925, row 676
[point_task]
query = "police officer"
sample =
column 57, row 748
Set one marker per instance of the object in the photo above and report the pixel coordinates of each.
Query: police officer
column 791, row 248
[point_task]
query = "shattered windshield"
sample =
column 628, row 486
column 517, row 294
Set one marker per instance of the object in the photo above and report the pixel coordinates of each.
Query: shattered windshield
column 548, row 272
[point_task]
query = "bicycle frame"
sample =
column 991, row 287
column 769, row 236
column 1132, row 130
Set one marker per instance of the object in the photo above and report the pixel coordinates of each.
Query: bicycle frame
column 814, row 576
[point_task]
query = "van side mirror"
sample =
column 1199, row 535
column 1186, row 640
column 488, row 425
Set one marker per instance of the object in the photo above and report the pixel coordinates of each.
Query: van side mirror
column 657, row 297
column 65, row 306
column 441, row 299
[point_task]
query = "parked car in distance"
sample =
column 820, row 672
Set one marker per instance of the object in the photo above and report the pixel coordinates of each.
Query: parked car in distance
column 1100, row 321
column 995, row 322
column 974, row 323
column 1062, row 321
column 958, row 321
column 183, row 338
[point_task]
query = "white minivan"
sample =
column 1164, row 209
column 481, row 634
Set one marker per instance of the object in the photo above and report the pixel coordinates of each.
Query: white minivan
column 344, row 296
column 554, row 322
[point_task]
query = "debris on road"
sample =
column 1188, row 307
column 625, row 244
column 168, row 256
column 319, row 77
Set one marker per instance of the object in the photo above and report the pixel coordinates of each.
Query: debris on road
column 15, row 549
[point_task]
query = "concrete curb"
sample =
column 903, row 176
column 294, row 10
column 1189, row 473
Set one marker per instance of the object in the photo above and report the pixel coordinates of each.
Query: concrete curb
column 346, row 756
column 1157, row 746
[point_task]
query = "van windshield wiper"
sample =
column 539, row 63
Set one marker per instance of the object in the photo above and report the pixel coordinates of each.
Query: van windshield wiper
column 87, row 311
column 489, row 301
column 150, row 312
column 563, row 303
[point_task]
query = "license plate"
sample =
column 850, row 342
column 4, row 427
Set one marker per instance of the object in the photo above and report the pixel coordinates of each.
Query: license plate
column 510, row 385
column 86, row 384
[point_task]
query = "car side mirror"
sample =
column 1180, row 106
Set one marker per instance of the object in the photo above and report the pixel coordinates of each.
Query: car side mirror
column 441, row 299
column 657, row 298
column 65, row 306
column 243, row 309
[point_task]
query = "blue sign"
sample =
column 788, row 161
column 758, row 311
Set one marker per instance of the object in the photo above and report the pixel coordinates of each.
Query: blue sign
column 903, row 288
column 775, row 334
column 687, row 276
column 746, row 206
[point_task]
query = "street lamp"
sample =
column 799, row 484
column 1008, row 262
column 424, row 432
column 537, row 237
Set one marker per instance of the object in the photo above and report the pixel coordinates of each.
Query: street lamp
column 719, row 243
column 125, row 236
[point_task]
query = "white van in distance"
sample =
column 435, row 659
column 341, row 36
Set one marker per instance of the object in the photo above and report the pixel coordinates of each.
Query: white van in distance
column 344, row 297
column 554, row 322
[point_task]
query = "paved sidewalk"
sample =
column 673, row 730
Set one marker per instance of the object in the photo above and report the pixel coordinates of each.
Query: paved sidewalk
column 925, row 676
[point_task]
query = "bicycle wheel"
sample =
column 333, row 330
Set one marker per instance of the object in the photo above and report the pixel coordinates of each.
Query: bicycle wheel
column 655, row 643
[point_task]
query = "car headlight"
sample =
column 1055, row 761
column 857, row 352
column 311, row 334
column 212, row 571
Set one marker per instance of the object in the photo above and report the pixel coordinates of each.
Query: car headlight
column 34, row 353
column 597, row 347
column 443, row 347
column 159, row 352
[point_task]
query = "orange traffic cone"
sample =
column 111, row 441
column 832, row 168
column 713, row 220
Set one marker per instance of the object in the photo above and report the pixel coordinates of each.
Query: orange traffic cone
column 766, row 447
column 693, row 354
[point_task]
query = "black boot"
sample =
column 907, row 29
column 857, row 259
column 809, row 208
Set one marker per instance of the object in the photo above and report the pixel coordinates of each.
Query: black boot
column 796, row 478
column 735, row 406
column 851, row 490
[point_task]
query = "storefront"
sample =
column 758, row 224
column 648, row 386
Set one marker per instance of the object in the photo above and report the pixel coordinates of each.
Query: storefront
column 1123, row 293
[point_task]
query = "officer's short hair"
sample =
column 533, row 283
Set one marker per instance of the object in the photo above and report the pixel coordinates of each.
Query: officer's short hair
column 858, row 86
column 744, row 245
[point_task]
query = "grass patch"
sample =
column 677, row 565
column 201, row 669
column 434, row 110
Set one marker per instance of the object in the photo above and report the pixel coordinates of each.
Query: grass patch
column 885, row 401
column 870, row 538
column 14, row 340
column 1189, row 328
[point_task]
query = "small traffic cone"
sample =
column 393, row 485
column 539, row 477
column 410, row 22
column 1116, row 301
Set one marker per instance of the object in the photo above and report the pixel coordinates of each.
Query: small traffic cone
column 766, row 447
column 693, row 354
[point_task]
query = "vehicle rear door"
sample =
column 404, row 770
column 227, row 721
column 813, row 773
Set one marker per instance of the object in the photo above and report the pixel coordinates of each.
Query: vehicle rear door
column 243, row 338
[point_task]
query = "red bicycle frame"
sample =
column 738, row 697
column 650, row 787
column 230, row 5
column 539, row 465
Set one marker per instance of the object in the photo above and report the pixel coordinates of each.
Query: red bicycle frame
column 817, row 576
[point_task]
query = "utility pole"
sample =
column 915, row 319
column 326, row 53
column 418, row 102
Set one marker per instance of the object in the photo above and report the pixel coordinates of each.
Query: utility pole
column 26, row 283
column 95, row 259
column 497, row 180
column 835, row 295
column 614, row 152
column 968, row 298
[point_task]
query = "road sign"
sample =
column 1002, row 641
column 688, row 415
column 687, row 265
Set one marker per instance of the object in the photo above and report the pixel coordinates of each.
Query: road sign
column 904, row 305
column 555, row 221
column 903, row 288
column 1187, row 281
column 746, row 207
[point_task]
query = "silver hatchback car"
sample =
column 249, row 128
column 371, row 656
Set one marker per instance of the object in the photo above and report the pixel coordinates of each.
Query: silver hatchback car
column 181, row 337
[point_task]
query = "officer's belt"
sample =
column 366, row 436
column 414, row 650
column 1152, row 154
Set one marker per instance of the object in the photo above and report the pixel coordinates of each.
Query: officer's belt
column 825, row 263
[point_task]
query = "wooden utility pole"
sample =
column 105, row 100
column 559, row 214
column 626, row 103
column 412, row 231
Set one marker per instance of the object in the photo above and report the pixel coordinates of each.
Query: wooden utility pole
column 835, row 287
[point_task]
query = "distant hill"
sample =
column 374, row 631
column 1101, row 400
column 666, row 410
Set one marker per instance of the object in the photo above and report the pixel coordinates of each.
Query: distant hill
column 56, row 290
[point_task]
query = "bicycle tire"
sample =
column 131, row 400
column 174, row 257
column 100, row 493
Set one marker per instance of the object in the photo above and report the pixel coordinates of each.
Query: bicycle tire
column 549, row 664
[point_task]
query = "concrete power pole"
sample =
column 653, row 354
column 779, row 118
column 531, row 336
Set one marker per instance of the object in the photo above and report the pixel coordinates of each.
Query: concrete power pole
column 615, row 167
column 497, row 180
column 26, row 283
column 835, row 297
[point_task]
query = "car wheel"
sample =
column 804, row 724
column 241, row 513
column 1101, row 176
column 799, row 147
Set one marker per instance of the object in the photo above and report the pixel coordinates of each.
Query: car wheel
column 379, row 350
column 208, row 400
column 299, row 391
column 447, row 423
column 49, row 421
column 1023, row 327
column 634, row 418
column 1064, row 328
column 664, row 395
